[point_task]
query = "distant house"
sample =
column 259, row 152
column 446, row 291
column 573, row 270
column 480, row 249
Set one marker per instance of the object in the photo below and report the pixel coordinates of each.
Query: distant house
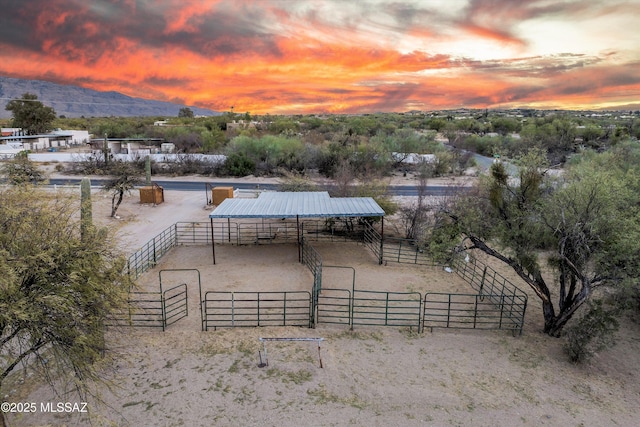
column 77, row 137
column 413, row 158
column 240, row 124
column 131, row 146
column 15, row 138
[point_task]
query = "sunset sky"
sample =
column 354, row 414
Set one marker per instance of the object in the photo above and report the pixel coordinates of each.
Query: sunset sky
column 341, row 56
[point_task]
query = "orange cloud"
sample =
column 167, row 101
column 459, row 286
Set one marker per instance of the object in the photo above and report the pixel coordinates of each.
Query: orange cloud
column 292, row 57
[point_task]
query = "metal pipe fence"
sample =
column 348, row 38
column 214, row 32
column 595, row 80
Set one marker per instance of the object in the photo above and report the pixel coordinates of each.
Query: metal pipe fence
column 380, row 308
column 405, row 251
column 334, row 306
column 468, row 311
column 372, row 240
column 253, row 309
column 144, row 309
column 497, row 298
column 493, row 286
column 150, row 253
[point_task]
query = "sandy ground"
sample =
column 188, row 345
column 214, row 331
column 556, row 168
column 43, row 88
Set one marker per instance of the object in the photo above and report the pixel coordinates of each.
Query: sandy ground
column 372, row 376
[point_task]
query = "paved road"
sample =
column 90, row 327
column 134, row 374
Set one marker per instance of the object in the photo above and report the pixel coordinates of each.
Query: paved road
column 396, row 190
column 485, row 163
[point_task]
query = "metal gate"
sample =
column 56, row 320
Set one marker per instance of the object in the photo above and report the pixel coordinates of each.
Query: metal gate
column 250, row 309
column 334, row 306
column 175, row 299
column 375, row 308
column 144, row 309
column 174, row 304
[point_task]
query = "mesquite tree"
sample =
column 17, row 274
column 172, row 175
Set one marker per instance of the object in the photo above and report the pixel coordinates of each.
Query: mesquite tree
column 124, row 178
column 57, row 288
column 585, row 223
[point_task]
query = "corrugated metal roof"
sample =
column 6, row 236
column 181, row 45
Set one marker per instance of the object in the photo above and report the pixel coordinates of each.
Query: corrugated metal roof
column 316, row 204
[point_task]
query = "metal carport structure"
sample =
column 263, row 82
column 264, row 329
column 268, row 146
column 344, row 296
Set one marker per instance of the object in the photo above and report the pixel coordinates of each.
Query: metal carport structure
column 308, row 204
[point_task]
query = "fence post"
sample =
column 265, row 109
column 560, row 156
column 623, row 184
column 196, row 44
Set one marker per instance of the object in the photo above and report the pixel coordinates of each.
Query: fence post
column 164, row 314
column 386, row 310
column 258, row 302
column 284, row 310
column 381, row 242
column 475, row 312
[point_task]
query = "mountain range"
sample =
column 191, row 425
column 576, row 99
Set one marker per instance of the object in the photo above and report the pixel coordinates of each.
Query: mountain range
column 74, row 101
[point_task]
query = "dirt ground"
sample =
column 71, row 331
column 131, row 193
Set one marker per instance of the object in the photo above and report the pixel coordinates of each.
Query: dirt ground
column 372, row 376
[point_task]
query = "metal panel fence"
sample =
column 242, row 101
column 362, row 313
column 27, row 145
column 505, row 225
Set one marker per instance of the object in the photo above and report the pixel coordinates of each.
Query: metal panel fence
column 332, row 230
column 496, row 288
column 148, row 256
column 467, row 311
column 375, row 308
column 144, row 309
column 193, row 233
column 180, row 233
column 405, row 251
column 498, row 303
column 372, row 240
column 490, row 284
column 334, row 306
column 251, row 309
column 267, row 232
column 238, row 233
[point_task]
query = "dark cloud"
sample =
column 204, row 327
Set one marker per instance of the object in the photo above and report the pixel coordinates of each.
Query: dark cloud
column 626, row 76
column 17, row 21
column 155, row 80
column 383, row 97
column 86, row 31
column 520, row 92
column 410, row 17
column 536, row 66
column 574, row 89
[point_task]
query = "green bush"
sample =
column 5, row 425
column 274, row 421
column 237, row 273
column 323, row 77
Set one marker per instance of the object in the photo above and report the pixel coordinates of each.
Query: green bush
column 593, row 332
column 237, row 164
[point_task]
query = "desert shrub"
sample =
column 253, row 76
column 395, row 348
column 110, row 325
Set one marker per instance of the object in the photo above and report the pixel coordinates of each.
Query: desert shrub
column 95, row 164
column 21, row 170
column 297, row 183
column 593, row 332
column 269, row 152
column 238, row 164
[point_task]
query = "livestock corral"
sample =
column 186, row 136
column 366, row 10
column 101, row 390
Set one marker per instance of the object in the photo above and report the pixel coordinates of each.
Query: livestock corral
column 376, row 356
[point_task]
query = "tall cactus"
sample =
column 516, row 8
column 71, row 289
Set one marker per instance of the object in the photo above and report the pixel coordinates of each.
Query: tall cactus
column 147, row 169
column 86, row 218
